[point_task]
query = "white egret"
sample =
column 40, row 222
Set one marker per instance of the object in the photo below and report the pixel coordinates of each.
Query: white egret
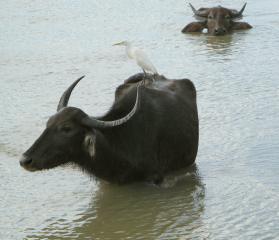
column 139, row 56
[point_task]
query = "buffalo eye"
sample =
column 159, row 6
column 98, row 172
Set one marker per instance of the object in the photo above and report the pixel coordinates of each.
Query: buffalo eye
column 210, row 17
column 66, row 129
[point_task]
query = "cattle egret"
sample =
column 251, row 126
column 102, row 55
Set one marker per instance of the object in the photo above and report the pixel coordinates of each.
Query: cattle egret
column 139, row 56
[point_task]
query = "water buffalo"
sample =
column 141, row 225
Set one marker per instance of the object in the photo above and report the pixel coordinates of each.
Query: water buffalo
column 150, row 130
column 217, row 20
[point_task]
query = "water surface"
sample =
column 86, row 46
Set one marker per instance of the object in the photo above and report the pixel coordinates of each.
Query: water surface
column 233, row 193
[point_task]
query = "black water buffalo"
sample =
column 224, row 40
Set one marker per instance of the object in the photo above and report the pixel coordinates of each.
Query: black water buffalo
column 150, row 130
column 217, row 20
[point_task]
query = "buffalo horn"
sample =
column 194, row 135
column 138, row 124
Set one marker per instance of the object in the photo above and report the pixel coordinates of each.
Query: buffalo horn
column 238, row 14
column 95, row 123
column 200, row 14
column 63, row 102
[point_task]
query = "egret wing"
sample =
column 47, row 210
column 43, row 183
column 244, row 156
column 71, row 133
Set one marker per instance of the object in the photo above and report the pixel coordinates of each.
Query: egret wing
column 143, row 61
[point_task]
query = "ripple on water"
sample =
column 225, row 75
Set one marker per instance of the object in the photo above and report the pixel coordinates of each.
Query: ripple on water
column 45, row 45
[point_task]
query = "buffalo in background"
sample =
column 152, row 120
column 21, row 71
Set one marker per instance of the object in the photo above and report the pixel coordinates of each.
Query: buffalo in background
column 217, row 20
column 151, row 129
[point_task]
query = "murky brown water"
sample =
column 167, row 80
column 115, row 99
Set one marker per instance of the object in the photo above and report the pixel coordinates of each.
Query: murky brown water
column 233, row 193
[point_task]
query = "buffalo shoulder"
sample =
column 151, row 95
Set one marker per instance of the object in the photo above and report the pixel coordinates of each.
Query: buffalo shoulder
column 241, row 26
column 194, row 27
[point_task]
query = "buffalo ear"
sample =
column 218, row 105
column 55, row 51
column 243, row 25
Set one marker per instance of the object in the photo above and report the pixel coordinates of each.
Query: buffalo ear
column 89, row 144
column 241, row 26
column 194, row 27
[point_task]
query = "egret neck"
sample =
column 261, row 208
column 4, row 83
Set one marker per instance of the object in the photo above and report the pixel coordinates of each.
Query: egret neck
column 129, row 50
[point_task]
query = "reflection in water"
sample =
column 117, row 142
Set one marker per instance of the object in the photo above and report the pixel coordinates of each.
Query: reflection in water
column 222, row 43
column 142, row 211
column 225, row 45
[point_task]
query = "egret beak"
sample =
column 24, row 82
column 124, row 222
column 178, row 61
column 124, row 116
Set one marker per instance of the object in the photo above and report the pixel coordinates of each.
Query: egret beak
column 120, row 43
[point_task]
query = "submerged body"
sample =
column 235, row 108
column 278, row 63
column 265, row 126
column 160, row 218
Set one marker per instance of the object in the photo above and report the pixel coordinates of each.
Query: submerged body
column 159, row 135
column 217, row 21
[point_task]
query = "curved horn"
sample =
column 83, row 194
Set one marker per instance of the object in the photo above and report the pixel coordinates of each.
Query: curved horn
column 193, row 9
column 95, row 123
column 201, row 13
column 63, row 102
column 238, row 14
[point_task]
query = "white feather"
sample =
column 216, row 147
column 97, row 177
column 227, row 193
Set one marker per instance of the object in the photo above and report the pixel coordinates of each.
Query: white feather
column 139, row 56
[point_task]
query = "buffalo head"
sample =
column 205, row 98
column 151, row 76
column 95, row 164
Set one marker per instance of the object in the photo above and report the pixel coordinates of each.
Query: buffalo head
column 217, row 20
column 69, row 136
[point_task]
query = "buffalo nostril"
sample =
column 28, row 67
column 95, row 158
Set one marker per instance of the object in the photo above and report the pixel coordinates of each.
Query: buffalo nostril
column 219, row 31
column 25, row 161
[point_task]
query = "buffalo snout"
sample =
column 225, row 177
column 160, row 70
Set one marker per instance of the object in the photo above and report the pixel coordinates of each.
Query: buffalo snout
column 27, row 162
column 220, row 31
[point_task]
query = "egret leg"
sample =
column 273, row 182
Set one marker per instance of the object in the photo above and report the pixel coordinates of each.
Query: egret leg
column 144, row 72
column 144, row 75
column 153, row 77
